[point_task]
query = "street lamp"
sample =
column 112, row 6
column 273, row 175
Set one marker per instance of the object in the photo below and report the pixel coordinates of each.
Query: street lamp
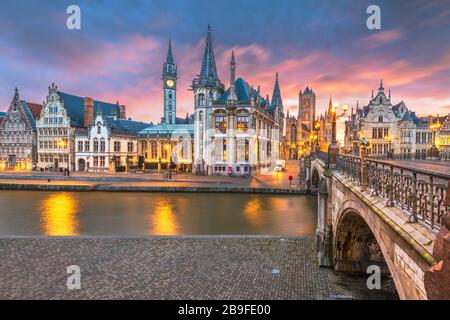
column 169, row 165
column 390, row 152
column 333, row 148
column 434, row 151
column 317, row 127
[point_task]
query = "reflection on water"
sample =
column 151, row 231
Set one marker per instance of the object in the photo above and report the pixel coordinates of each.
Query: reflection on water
column 137, row 214
column 253, row 212
column 58, row 214
column 163, row 220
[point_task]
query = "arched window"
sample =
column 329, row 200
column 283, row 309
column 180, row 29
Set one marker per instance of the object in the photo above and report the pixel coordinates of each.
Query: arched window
column 170, row 94
column 380, row 118
column 201, row 100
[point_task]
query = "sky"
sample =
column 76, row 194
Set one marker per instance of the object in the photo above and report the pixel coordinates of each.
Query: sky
column 119, row 51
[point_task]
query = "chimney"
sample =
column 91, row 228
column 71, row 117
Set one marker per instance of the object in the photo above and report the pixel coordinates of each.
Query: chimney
column 123, row 111
column 88, row 111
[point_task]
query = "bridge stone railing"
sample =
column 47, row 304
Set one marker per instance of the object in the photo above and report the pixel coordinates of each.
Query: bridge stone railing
column 421, row 193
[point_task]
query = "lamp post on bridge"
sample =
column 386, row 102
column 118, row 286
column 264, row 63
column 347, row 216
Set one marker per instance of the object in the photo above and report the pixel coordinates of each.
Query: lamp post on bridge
column 317, row 127
column 390, row 153
column 434, row 151
column 333, row 148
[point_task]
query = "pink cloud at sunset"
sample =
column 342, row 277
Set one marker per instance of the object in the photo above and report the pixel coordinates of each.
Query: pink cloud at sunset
column 115, row 59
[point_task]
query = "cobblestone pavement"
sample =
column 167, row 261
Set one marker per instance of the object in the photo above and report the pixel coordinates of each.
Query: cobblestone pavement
column 172, row 268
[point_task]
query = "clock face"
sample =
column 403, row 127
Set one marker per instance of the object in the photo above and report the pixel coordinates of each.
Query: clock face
column 170, row 83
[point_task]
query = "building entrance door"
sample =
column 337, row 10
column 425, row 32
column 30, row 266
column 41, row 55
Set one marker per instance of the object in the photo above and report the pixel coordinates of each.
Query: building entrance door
column 81, row 165
column 12, row 161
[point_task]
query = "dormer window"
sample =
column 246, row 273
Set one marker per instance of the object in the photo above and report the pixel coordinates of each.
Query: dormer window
column 99, row 129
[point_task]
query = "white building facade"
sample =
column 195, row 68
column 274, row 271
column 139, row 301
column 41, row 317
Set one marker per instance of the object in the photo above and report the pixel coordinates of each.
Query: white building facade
column 109, row 144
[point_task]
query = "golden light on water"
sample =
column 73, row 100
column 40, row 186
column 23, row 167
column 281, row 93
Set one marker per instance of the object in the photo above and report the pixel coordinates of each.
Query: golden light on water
column 253, row 212
column 59, row 212
column 163, row 219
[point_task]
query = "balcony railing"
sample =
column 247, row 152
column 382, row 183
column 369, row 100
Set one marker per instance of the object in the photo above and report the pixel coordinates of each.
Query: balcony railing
column 417, row 191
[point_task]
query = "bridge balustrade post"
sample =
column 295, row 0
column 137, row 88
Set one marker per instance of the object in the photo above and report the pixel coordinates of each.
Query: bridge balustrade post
column 431, row 200
column 390, row 186
column 364, row 170
column 413, row 217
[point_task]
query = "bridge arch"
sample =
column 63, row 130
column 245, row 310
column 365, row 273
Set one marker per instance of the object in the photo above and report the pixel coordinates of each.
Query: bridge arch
column 357, row 245
column 315, row 179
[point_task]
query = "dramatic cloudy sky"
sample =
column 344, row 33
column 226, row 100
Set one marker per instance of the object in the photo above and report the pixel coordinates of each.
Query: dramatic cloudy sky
column 118, row 53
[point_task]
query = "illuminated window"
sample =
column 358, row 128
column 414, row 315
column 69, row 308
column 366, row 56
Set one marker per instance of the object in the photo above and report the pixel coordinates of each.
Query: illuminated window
column 221, row 123
column 242, row 123
column 153, row 149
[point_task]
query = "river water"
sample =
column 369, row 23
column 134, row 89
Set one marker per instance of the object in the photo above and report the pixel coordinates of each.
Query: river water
column 27, row 213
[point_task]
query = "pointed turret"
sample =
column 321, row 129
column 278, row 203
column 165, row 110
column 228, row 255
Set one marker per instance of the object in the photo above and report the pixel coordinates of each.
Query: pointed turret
column 208, row 73
column 276, row 96
column 330, row 106
column 381, row 89
column 232, row 96
column 169, row 58
column 16, row 94
column 233, row 69
column 209, row 70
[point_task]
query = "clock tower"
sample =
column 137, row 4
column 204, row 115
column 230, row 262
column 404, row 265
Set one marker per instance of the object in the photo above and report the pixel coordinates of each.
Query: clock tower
column 169, row 77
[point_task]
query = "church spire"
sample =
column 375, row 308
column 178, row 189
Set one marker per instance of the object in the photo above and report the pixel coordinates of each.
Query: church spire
column 330, row 106
column 169, row 59
column 276, row 96
column 233, row 70
column 209, row 70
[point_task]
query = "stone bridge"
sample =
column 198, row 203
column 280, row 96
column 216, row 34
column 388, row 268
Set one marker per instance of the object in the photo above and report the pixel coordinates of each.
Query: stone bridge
column 378, row 213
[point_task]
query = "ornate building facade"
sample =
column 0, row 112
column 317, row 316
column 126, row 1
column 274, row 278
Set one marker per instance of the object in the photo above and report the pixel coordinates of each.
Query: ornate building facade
column 18, row 136
column 390, row 129
column 237, row 131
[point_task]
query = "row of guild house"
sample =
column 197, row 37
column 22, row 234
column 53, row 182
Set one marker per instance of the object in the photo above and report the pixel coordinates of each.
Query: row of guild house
column 67, row 132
